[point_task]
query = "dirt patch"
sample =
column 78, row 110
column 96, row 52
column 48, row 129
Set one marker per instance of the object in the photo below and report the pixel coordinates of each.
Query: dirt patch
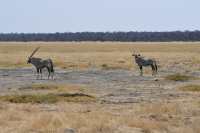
column 111, row 86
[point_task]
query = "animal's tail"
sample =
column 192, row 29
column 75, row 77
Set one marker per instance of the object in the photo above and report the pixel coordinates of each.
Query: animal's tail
column 51, row 66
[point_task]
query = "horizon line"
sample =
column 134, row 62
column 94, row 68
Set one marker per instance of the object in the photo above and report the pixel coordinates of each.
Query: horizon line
column 96, row 32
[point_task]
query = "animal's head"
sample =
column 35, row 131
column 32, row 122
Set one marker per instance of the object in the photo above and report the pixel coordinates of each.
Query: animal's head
column 136, row 55
column 30, row 57
column 29, row 60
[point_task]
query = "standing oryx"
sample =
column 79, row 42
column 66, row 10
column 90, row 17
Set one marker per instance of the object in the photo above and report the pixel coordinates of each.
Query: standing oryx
column 141, row 61
column 40, row 64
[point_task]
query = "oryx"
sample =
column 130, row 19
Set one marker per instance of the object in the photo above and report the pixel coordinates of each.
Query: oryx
column 141, row 61
column 40, row 64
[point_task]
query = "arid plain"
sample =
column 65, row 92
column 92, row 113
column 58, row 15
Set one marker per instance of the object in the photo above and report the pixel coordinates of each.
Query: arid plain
column 98, row 88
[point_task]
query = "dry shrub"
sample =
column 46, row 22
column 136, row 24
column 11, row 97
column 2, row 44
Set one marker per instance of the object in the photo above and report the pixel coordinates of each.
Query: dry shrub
column 40, row 87
column 179, row 77
column 192, row 88
column 48, row 98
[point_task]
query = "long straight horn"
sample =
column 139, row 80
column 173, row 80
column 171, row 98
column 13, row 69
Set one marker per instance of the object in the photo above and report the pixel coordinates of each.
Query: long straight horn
column 34, row 51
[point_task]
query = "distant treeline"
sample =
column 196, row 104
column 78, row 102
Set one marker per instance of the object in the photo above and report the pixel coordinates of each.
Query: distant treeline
column 104, row 36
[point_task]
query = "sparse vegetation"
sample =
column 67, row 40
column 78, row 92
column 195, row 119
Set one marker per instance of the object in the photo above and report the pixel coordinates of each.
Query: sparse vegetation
column 53, row 87
column 83, row 55
column 48, row 98
column 48, row 106
column 104, row 66
column 92, row 118
column 40, row 87
column 107, row 67
column 192, row 88
column 178, row 77
column 41, row 98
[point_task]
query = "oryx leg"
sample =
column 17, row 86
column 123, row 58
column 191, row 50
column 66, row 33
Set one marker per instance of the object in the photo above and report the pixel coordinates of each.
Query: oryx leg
column 156, row 68
column 40, row 72
column 49, row 71
column 141, row 71
column 153, row 69
column 52, row 74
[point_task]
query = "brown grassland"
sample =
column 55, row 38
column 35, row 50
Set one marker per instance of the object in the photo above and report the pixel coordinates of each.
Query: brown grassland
column 164, row 116
column 80, row 55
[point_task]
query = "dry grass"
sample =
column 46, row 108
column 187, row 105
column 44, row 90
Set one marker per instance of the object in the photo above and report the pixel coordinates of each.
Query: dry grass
column 50, row 93
column 48, row 98
column 98, row 118
column 72, row 109
column 192, row 88
column 40, row 87
column 179, row 77
column 83, row 55
column 44, row 98
column 55, row 88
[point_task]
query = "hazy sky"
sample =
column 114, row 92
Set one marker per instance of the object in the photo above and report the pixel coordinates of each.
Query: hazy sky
column 98, row 15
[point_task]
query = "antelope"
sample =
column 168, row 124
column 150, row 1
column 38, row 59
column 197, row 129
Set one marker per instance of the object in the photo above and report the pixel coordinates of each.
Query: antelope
column 142, row 62
column 40, row 64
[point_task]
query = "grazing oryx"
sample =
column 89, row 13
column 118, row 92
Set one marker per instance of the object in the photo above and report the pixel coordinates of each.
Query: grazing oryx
column 141, row 61
column 40, row 64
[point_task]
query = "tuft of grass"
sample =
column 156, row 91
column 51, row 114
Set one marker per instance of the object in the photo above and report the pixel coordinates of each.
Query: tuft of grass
column 121, row 61
column 40, row 87
column 104, row 66
column 48, row 98
column 76, row 97
column 60, row 88
column 178, row 77
column 193, row 88
column 113, row 67
column 45, row 98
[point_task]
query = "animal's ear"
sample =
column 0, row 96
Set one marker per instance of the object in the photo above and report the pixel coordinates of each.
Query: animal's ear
column 133, row 53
